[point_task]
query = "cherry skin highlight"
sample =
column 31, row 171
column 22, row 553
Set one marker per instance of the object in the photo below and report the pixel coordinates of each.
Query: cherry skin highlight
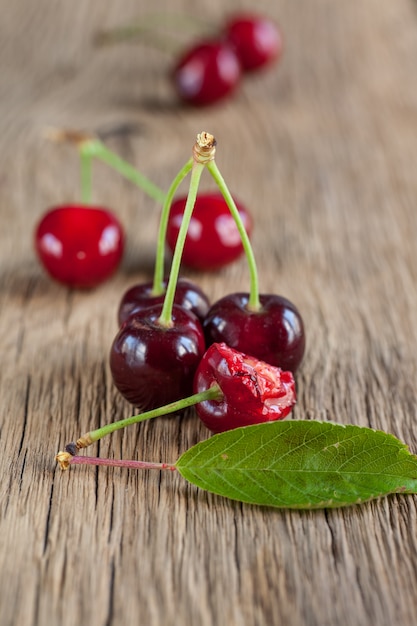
column 153, row 365
column 256, row 40
column 274, row 334
column 253, row 391
column 188, row 295
column 79, row 246
column 207, row 73
column 213, row 239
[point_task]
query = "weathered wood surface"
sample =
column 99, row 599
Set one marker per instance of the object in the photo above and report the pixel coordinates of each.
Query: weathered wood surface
column 323, row 150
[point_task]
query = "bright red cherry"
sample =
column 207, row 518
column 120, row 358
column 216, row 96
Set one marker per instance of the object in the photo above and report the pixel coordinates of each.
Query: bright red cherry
column 252, row 391
column 188, row 295
column 274, row 334
column 153, row 364
column 256, row 40
column 80, row 246
column 206, row 73
column 213, row 239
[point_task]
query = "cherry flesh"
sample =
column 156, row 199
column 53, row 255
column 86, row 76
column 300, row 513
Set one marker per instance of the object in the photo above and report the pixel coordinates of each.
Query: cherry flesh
column 213, row 239
column 274, row 334
column 207, row 72
column 151, row 364
column 188, row 295
column 78, row 245
column 252, row 391
column 256, row 40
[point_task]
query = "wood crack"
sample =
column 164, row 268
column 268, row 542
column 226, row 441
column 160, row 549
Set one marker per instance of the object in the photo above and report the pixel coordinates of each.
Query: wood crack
column 25, row 415
column 48, row 517
column 110, row 607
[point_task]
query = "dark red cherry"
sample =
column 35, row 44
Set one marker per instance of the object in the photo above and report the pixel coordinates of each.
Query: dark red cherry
column 153, row 365
column 252, row 391
column 188, row 295
column 274, row 334
column 206, row 73
column 213, row 239
column 80, row 246
column 256, row 40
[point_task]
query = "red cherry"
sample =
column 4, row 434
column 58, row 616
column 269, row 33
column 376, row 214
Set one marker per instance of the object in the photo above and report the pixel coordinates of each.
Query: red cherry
column 256, row 40
column 139, row 297
column 274, row 334
column 80, row 246
column 253, row 391
column 152, row 364
column 213, row 239
column 206, row 73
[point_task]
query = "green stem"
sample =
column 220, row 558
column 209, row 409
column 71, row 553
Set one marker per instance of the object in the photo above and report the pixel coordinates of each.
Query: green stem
column 144, row 36
column 85, row 174
column 254, row 302
column 166, row 314
column 212, row 393
column 148, row 26
column 158, row 282
column 94, row 148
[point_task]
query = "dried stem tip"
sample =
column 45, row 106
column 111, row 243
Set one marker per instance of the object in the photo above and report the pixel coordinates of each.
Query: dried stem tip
column 84, row 441
column 62, row 135
column 204, row 148
column 64, row 459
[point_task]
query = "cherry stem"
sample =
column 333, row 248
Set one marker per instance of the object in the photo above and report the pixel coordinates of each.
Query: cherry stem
column 158, row 282
column 66, row 460
column 86, row 176
column 212, row 393
column 95, row 148
column 147, row 25
column 165, row 319
column 254, row 302
column 204, row 151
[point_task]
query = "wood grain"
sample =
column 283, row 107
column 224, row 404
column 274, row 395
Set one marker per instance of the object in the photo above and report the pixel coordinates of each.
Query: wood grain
column 322, row 149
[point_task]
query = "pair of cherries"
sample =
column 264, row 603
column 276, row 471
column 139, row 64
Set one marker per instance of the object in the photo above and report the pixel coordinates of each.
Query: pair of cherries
column 212, row 69
column 81, row 246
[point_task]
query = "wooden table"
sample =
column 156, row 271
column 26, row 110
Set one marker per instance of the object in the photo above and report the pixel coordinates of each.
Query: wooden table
column 322, row 149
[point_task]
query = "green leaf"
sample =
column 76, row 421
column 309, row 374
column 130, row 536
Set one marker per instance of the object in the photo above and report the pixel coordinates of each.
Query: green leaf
column 301, row 464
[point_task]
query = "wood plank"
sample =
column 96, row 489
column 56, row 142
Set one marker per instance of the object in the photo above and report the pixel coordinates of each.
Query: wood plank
column 322, row 149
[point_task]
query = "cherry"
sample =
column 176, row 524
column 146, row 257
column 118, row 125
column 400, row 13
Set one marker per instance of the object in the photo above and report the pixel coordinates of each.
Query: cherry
column 213, row 239
column 188, row 295
column 273, row 333
column 207, row 72
column 79, row 245
column 252, row 391
column 256, row 40
column 152, row 364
